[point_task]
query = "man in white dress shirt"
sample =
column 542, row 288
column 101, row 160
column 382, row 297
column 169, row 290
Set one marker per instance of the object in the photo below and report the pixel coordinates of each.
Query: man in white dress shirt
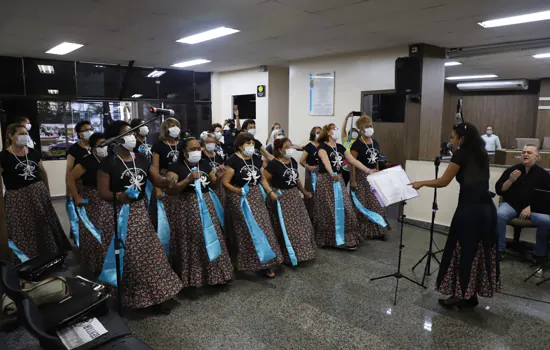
column 492, row 142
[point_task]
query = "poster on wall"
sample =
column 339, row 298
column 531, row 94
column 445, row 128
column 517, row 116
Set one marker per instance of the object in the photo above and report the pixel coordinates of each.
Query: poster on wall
column 321, row 94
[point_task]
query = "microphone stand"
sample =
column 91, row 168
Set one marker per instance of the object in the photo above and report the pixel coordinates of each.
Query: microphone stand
column 111, row 143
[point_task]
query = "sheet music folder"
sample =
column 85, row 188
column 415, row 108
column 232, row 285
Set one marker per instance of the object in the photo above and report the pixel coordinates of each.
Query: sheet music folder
column 392, row 186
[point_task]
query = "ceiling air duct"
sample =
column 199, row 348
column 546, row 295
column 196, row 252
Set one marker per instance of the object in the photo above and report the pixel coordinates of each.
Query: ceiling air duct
column 500, row 85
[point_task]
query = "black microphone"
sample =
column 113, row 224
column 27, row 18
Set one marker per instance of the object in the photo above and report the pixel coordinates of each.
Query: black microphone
column 163, row 111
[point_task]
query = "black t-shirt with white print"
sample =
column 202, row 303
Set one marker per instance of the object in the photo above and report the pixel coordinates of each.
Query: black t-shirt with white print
column 91, row 164
column 124, row 174
column 367, row 154
column 145, row 149
column 20, row 172
column 214, row 162
column 257, row 148
column 78, row 152
column 336, row 158
column 167, row 154
column 246, row 171
column 312, row 159
column 220, row 150
column 285, row 176
column 183, row 170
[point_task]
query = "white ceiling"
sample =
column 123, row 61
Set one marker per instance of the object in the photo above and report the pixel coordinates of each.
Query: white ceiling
column 273, row 32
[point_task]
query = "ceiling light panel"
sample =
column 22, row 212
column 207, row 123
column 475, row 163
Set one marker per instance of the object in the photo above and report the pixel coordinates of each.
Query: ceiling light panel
column 190, row 63
column 454, row 63
column 472, row 77
column 53, row 91
column 44, row 69
column 64, row 48
column 542, row 55
column 136, row 95
column 156, row 74
column 208, row 35
column 507, row 21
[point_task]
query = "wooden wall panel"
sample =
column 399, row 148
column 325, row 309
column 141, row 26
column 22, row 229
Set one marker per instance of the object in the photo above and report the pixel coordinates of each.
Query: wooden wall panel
column 411, row 130
column 431, row 108
column 391, row 137
column 543, row 115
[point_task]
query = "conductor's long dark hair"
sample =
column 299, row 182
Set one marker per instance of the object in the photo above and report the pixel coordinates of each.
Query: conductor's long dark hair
column 472, row 144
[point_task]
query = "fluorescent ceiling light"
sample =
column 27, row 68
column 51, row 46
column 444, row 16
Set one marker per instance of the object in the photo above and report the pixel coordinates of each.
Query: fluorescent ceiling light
column 155, row 74
column 454, row 63
column 99, row 66
column 470, row 77
column 64, row 48
column 136, row 95
column 190, row 63
column 53, row 91
column 532, row 17
column 46, row 69
column 542, row 55
column 208, row 35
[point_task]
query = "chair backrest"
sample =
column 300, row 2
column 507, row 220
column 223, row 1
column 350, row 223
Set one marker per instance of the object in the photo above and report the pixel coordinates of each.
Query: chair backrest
column 11, row 282
column 546, row 143
column 34, row 323
column 522, row 142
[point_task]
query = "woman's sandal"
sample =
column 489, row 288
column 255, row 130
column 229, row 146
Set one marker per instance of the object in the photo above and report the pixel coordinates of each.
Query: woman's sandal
column 269, row 273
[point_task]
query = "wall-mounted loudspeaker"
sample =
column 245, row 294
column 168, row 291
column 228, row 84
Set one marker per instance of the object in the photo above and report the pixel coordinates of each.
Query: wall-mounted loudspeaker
column 408, row 75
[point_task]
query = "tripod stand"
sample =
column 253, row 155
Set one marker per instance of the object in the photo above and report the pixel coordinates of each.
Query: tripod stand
column 430, row 254
column 398, row 275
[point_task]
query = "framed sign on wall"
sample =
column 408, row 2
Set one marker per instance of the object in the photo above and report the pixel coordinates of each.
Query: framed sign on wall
column 321, row 94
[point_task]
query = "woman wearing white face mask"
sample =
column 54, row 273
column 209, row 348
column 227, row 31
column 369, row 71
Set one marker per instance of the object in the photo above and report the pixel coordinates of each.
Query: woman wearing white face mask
column 242, row 180
column 282, row 175
column 276, row 134
column 216, row 162
column 217, row 130
column 32, row 223
column 147, row 277
column 332, row 227
column 249, row 126
column 273, row 133
column 310, row 161
column 91, row 251
column 367, row 151
column 189, row 254
column 141, row 139
column 166, row 150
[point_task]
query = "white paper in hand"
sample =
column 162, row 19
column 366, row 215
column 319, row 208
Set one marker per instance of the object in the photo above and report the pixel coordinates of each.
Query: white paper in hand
column 81, row 333
column 392, row 186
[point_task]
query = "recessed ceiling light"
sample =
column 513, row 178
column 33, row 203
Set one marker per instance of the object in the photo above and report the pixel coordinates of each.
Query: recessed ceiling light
column 156, row 74
column 454, row 63
column 469, row 77
column 208, row 35
column 532, row 17
column 190, row 63
column 542, row 55
column 99, row 66
column 136, row 95
column 46, row 69
column 53, row 91
column 64, row 48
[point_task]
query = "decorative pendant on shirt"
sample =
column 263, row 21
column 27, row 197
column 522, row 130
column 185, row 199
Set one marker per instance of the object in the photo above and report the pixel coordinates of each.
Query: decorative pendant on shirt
column 251, row 172
column 338, row 159
column 203, row 177
column 136, row 179
column 291, row 173
column 28, row 167
column 174, row 153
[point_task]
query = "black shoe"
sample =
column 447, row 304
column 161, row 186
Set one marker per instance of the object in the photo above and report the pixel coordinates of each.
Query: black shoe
column 345, row 247
column 500, row 257
column 466, row 305
column 449, row 303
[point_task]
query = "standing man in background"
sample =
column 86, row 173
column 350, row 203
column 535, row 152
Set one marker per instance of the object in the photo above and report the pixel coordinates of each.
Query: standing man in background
column 492, row 142
column 231, row 129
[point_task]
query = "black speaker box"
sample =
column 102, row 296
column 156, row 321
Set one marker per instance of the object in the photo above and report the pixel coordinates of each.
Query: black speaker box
column 408, row 75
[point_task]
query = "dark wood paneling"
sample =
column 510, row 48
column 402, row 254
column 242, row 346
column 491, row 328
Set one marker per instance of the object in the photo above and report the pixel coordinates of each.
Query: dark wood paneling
column 391, row 138
column 431, row 108
column 543, row 117
column 412, row 130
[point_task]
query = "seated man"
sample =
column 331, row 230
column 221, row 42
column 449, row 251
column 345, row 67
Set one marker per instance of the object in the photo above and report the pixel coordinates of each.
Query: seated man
column 516, row 185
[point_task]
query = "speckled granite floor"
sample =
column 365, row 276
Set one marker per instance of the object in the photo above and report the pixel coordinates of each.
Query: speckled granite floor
column 332, row 304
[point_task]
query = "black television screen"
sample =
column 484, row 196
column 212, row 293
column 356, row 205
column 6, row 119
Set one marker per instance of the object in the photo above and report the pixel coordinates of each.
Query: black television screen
column 388, row 108
column 99, row 81
column 11, row 71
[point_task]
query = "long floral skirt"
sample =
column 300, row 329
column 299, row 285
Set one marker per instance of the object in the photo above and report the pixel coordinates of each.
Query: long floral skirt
column 91, row 251
column 243, row 251
column 147, row 278
column 308, row 185
column 324, row 218
column 369, row 229
column 188, row 253
column 32, row 222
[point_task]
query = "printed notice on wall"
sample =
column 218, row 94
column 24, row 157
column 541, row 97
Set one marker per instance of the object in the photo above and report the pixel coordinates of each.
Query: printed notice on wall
column 321, row 94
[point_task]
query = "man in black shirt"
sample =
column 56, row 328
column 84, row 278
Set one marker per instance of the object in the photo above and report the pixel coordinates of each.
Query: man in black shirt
column 516, row 185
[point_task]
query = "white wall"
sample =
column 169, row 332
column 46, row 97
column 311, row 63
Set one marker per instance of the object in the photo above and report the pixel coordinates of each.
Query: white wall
column 56, row 176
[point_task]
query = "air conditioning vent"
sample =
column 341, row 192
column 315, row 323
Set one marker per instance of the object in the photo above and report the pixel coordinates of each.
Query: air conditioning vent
column 509, row 85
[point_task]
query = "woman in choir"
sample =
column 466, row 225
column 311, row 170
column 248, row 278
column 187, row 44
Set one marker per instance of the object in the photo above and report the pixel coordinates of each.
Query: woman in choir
column 141, row 139
column 276, row 134
column 98, row 211
column 331, row 159
column 216, row 162
column 273, row 132
column 166, row 150
column 469, row 267
column 188, row 251
column 282, row 174
column 217, row 130
column 32, row 223
column 79, row 150
column 367, row 151
column 147, row 277
column 249, row 126
column 310, row 162
column 245, row 168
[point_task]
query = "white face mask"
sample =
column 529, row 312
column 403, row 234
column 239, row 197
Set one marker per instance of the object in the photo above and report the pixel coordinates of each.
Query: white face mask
column 252, row 132
column 280, row 137
column 144, row 131
column 210, row 147
column 489, row 132
column 194, row 157
column 289, row 152
column 101, row 152
column 369, row 132
column 28, row 126
column 218, row 135
column 86, row 135
column 129, row 142
column 354, row 135
column 317, row 136
column 174, row 132
column 226, row 127
column 335, row 134
column 22, row 140
column 249, row 151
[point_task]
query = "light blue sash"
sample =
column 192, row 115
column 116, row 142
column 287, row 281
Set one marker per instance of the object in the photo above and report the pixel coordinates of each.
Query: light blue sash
column 339, row 214
column 148, row 193
column 218, row 206
column 263, row 192
column 213, row 247
column 314, row 181
column 73, row 220
column 372, row 216
column 22, row 256
column 81, row 210
column 261, row 244
column 288, row 245
column 163, row 227
column 108, row 274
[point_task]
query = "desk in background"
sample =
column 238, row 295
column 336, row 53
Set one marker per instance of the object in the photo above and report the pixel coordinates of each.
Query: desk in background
column 513, row 157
